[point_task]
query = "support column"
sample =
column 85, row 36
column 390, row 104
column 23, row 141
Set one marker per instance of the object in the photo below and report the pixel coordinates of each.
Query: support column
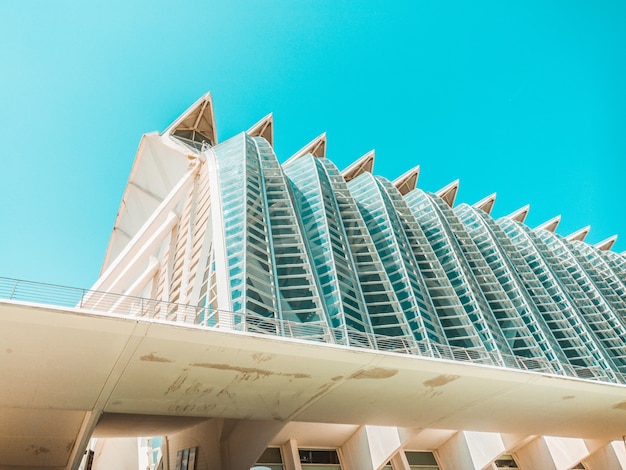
column 291, row 457
column 370, row 447
column 609, row 457
column 552, row 453
column 468, row 450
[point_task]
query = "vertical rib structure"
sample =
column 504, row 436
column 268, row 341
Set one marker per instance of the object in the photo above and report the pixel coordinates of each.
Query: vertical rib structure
column 304, row 250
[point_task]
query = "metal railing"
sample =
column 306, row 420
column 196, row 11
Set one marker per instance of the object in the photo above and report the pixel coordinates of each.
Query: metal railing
column 119, row 304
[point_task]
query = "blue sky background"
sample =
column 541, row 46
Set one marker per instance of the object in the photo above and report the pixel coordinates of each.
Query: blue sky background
column 526, row 99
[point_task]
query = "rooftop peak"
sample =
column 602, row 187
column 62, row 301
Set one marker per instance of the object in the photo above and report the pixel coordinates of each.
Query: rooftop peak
column 486, row 204
column 196, row 126
column 365, row 164
column 317, row 148
column 448, row 192
column 407, row 182
column 264, row 128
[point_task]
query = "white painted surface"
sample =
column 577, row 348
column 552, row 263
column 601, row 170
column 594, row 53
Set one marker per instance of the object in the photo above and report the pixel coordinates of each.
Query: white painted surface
column 70, row 363
column 116, row 454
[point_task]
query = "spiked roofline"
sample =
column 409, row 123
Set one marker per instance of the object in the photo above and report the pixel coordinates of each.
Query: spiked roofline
column 317, row 148
column 365, row 164
column 264, row 128
column 448, row 193
column 486, row 204
column 162, row 159
column 407, row 182
column 550, row 225
column 197, row 123
column 606, row 244
column 520, row 214
column 579, row 234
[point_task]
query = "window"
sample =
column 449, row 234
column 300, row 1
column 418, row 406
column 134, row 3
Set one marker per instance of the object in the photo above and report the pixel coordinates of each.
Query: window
column 505, row 461
column 319, row 459
column 271, row 459
column 421, row 461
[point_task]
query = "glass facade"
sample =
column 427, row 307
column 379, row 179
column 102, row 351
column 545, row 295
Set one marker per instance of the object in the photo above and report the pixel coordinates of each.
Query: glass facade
column 318, row 459
column 307, row 254
column 421, row 460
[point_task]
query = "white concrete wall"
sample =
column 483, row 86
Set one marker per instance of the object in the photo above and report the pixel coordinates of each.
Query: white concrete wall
column 116, row 454
column 370, row 447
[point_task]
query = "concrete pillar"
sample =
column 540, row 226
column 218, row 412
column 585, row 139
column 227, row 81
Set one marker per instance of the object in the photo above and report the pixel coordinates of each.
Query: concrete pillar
column 552, row 453
column 370, row 447
column 245, row 441
column 291, row 457
column 165, row 452
column 609, row 457
column 469, row 450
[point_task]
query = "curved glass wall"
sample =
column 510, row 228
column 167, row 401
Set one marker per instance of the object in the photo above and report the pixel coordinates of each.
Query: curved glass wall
column 509, row 301
column 361, row 265
column 329, row 250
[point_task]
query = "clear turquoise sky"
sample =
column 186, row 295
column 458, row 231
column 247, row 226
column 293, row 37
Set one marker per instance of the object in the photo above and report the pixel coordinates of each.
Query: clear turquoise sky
column 523, row 98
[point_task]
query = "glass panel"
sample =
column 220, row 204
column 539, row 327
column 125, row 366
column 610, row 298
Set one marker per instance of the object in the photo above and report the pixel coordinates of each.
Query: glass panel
column 505, row 461
column 311, row 459
column 421, row 460
column 271, row 455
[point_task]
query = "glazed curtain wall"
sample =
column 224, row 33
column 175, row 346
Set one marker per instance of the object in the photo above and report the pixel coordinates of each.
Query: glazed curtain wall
column 361, row 260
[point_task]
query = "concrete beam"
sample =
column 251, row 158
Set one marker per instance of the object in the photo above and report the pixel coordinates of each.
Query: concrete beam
column 291, row 457
column 370, row 447
column 552, row 453
column 468, row 450
column 609, row 457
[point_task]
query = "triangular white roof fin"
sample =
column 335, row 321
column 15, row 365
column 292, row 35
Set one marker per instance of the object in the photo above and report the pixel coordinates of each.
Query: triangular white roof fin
column 365, row 164
column 317, row 148
column 408, row 181
column 550, row 225
column 264, row 128
column 448, row 193
column 607, row 244
column 486, row 204
column 197, row 124
column 520, row 214
column 579, row 234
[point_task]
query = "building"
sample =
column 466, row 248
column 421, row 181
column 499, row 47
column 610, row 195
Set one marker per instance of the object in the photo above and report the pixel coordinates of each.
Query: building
column 295, row 316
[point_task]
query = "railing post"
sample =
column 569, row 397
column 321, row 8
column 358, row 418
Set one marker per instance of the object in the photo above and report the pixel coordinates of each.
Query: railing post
column 13, row 290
